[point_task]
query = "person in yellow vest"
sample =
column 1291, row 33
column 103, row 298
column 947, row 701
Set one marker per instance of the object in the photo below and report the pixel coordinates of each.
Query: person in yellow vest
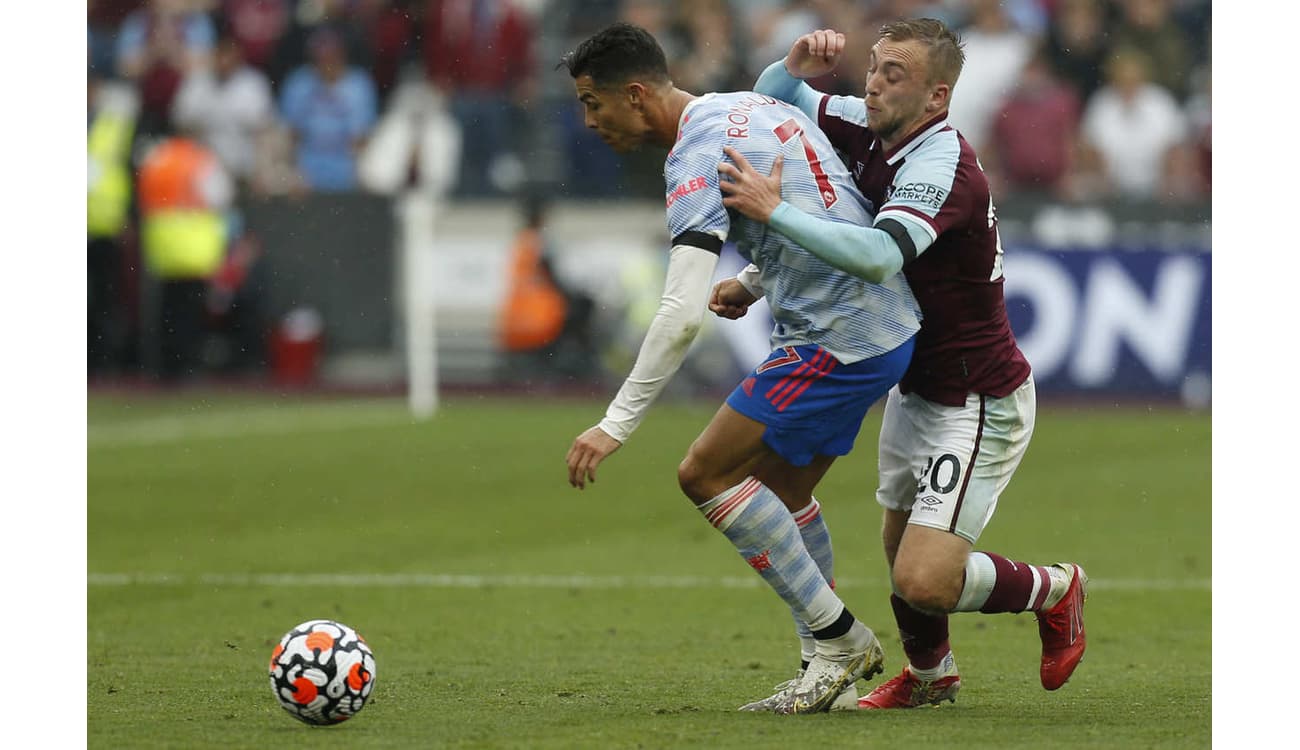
column 111, row 110
column 183, row 191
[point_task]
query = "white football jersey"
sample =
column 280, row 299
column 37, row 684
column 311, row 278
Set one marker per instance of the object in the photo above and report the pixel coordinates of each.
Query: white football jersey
column 811, row 302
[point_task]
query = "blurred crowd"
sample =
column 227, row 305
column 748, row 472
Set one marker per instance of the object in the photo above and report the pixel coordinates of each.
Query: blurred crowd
column 1081, row 99
column 196, row 105
column 1075, row 100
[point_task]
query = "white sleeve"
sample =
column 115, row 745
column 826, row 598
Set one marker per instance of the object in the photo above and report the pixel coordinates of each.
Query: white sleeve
column 681, row 310
column 750, row 278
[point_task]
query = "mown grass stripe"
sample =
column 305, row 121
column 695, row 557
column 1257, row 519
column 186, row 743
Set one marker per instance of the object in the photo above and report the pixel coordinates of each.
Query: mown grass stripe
column 470, row 581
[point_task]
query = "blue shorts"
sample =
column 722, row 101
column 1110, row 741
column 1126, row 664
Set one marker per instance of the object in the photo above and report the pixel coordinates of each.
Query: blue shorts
column 813, row 404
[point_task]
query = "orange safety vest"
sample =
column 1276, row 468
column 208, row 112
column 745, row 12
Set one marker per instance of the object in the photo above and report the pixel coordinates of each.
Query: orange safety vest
column 181, row 235
column 534, row 310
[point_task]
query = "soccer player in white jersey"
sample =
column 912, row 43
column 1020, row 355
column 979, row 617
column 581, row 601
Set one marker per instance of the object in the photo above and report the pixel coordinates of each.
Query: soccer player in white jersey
column 959, row 421
column 838, row 345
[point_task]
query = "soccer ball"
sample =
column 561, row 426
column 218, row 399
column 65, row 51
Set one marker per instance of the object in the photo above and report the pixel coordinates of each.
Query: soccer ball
column 322, row 672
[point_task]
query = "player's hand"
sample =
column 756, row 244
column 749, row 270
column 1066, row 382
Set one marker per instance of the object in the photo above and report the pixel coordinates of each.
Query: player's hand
column 730, row 299
column 588, row 450
column 747, row 190
column 815, row 54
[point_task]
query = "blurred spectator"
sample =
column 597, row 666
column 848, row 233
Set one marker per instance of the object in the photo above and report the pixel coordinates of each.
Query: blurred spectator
column 391, row 28
column 415, row 144
column 258, row 25
column 1148, row 25
column 183, row 193
column 1030, row 16
column 1035, row 132
column 1076, row 44
column 228, row 107
column 156, row 46
column 479, row 53
column 776, row 26
column 111, row 109
column 293, row 50
column 533, row 311
column 656, row 17
column 996, row 52
column 714, row 58
column 544, row 325
column 103, row 20
column 1132, row 123
column 330, row 107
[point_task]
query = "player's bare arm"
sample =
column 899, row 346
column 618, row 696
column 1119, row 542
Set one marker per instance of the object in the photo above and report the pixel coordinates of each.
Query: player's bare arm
column 746, row 189
column 815, row 54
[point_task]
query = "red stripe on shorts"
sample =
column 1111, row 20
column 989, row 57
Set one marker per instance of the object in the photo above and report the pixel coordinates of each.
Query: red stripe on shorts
column 822, row 370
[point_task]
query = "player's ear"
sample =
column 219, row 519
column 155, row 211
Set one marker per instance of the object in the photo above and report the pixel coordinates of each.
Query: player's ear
column 635, row 93
column 940, row 97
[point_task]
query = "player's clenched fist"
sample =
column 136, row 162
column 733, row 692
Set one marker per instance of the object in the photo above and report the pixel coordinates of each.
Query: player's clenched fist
column 815, row 54
column 588, row 450
column 730, row 299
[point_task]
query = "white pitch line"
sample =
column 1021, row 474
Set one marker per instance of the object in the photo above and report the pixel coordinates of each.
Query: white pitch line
column 224, row 425
column 457, row 581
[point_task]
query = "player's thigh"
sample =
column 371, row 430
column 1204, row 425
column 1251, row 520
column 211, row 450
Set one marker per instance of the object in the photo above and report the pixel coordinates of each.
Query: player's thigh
column 964, row 457
column 729, row 449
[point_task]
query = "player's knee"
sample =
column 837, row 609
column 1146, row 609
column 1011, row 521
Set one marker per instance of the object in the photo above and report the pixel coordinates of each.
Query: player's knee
column 924, row 590
column 694, row 480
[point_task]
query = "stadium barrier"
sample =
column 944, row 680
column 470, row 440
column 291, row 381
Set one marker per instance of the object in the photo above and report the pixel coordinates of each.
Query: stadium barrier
column 1105, row 301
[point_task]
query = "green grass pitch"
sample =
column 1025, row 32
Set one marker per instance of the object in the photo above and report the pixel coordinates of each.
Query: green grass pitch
column 508, row 610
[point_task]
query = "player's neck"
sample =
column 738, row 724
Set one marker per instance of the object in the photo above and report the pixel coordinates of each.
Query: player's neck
column 665, row 118
column 916, row 125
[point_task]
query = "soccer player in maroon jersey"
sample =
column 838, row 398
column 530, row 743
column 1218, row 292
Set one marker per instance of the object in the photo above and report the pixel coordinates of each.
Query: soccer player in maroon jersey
column 957, row 425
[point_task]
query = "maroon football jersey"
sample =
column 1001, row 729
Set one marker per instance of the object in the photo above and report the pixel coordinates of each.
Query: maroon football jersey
column 932, row 195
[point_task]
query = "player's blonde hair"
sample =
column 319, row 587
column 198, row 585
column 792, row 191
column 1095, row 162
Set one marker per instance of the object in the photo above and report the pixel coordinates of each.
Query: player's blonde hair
column 946, row 54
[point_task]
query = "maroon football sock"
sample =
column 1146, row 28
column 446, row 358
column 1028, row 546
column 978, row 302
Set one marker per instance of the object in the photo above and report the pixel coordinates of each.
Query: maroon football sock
column 924, row 636
column 1019, row 586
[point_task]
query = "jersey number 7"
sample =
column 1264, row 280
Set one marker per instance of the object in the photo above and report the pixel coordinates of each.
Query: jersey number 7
column 790, row 129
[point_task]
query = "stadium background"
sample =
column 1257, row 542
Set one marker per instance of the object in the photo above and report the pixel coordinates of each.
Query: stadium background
column 472, row 129
column 279, row 474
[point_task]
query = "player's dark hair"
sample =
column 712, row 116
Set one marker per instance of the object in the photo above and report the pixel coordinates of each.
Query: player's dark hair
column 946, row 53
column 617, row 54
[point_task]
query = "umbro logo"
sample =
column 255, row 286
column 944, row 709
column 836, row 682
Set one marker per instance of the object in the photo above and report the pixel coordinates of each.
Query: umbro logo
column 931, row 500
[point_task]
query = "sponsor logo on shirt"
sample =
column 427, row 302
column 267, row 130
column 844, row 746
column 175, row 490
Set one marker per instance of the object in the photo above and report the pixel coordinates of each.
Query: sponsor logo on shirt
column 918, row 192
column 686, row 188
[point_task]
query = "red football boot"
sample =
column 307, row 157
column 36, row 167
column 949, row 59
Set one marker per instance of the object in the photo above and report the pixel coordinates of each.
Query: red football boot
column 1061, row 630
column 908, row 691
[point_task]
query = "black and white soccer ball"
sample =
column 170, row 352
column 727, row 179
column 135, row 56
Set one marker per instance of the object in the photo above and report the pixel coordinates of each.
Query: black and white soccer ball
column 322, row 672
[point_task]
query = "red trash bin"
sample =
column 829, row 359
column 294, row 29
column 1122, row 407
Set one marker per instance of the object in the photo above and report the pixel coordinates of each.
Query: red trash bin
column 296, row 344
